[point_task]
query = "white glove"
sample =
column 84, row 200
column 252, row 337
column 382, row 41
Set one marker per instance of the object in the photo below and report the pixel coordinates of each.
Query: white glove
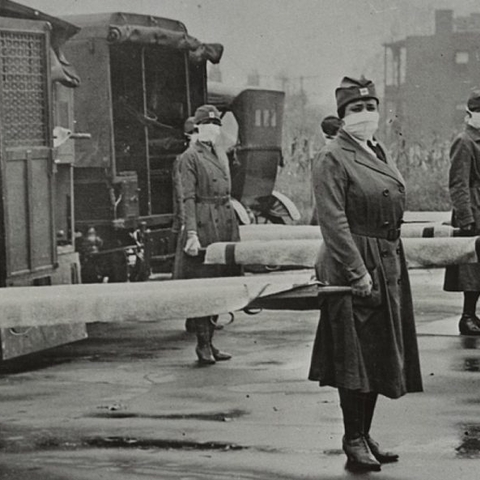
column 193, row 245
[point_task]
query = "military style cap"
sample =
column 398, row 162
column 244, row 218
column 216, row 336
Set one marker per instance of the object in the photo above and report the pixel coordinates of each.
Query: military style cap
column 352, row 90
column 207, row 114
column 473, row 103
column 189, row 126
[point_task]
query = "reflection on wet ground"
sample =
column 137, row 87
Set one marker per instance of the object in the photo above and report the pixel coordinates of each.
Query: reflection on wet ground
column 470, row 441
column 143, row 443
column 471, row 364
column 469, row 343
column 215, row 416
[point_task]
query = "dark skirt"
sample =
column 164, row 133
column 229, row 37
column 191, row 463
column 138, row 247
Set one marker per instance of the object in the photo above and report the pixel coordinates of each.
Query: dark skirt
column 462, row 278
column 370, row 344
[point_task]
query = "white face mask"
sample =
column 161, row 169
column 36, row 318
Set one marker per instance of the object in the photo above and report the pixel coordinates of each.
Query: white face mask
column 208, row 132
column 474, row 119
column 361, row 125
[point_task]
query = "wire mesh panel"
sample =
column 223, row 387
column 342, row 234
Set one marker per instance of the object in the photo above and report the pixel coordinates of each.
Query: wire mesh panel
column 24, row 95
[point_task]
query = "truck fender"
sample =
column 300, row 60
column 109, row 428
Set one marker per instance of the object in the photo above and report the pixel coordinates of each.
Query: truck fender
column 241, row 211
column 290, row 207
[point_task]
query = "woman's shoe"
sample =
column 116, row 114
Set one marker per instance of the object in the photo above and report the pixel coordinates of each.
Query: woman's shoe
column 468, row 325
column 204, row 354
column 359, row 454
column 218, row 355
column 381, row 455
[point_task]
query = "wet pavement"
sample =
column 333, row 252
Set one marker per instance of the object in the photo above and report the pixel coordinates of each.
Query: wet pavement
column 131, row 403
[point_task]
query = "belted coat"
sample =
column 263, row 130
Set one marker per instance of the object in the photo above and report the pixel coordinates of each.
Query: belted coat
column 464, row 187
column 367, row 344
column 205, row 182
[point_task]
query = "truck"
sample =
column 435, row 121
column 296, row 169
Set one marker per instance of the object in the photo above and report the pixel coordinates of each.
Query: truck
column 37, row 241
column 143, row 76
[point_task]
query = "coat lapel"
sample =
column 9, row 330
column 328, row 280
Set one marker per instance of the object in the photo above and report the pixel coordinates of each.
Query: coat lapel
column 215, row 160
column 366, row 159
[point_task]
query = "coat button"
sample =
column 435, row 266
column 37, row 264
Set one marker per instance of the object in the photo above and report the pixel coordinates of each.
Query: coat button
column 399, row 281
column 386, row 192
column 398, row 251
column 384, row 254
column 401, row 189
column 386, row 224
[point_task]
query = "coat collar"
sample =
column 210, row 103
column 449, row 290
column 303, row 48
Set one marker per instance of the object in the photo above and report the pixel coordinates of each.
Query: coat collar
column 473, row 133
column 214, row 158
column 361, row 156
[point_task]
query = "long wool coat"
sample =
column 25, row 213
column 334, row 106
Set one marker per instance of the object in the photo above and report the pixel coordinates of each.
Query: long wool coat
column 464, row 185
column 205, row 183
column 366, row 344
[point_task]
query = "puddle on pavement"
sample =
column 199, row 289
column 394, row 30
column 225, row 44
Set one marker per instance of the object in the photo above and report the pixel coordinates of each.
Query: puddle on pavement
column 212, row 416
column 143, row 443
column 470, row 441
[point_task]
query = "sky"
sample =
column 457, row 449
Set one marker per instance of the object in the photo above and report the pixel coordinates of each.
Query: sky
column 319, row 40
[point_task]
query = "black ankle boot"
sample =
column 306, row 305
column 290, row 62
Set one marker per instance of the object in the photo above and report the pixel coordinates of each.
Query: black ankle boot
column 381, row 455
column 469, row 325
column 203, row 349
column 217, row 354
column 359, row 454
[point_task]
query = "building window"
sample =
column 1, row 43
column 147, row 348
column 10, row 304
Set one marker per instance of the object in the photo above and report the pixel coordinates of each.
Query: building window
column 461, row 58
column 258, row 118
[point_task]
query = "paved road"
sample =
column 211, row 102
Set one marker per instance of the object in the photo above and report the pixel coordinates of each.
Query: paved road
column 131, row 403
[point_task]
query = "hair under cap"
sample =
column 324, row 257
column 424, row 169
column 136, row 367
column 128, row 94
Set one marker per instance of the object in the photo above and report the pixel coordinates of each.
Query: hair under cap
column 189, row 125
column 473, row 103
column 207, row 114
column 352, row 90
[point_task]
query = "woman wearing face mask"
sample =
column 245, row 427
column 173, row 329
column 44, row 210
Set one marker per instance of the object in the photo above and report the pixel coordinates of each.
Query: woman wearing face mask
column 208, row 217
column 366, row 342
column 464, row 185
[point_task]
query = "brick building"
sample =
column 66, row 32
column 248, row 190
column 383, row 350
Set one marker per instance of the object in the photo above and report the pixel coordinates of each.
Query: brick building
column 428, row 79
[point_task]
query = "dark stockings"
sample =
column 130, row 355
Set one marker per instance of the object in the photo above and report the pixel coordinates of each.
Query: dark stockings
column 470, row 300
column 358, row 409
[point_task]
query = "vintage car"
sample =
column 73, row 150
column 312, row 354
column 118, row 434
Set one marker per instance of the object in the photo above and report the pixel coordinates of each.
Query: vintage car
column 252, row 136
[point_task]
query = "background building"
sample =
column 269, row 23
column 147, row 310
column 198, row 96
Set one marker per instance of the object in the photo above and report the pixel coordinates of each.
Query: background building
column 428, row 79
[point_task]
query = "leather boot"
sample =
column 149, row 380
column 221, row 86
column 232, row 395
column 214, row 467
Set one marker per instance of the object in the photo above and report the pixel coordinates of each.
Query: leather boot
column 354, row 444
column 381, row 455
column 469, row 325
column 359, row 454
column 217, row 354
column 203, row 349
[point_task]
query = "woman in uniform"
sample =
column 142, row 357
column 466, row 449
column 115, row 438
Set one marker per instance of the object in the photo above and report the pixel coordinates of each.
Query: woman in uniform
column 208, row 217
column 464, row 187
column 366, row 342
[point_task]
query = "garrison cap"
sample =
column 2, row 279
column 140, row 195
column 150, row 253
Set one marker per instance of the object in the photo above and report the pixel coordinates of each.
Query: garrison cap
column 352, row 90
column 473, row 103
column 207, row 114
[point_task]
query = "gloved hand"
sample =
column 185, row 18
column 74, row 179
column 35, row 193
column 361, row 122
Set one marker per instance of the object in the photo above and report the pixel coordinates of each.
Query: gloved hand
column 362, row 287
column 193, row 245
column 467, row 230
